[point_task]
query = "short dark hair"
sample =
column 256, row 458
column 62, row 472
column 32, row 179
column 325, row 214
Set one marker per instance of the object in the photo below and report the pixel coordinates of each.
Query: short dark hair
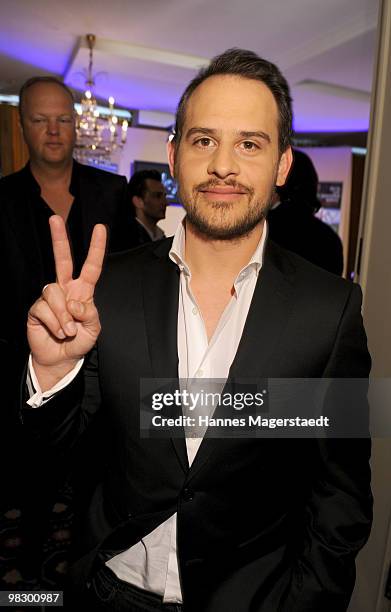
column 249, row 65
column 41, row 79
column 137, row 184
column 301, row 186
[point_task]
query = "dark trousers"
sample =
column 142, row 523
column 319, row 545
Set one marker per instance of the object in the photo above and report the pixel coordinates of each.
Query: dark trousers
column 109, row 594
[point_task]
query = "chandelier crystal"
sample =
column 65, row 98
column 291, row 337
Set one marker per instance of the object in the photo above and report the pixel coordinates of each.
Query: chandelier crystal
column 98, row 135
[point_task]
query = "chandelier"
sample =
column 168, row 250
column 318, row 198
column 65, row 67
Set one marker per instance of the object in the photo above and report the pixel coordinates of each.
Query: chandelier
column 99, row 132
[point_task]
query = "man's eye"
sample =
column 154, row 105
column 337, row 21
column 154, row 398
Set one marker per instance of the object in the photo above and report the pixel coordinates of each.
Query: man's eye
column 65, row 120
column 247, row 145
column 204, row 143
column 36, row 120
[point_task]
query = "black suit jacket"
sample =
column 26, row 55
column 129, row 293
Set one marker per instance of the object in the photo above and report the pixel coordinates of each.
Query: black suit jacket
column 263, row 525
column 140, row 234
column 293, row 226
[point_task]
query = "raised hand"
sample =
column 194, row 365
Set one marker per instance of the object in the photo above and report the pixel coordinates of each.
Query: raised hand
column 63, row 324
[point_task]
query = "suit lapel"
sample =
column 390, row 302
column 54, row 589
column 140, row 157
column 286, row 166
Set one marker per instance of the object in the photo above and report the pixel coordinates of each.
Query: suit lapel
column 265, row 324
column 267, row 318
column 160, row 280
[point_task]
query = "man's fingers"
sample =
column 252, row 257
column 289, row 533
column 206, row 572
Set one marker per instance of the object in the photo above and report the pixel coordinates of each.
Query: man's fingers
column 41, row 312
column 55, row 298
column 61, row 249
column 92, row 267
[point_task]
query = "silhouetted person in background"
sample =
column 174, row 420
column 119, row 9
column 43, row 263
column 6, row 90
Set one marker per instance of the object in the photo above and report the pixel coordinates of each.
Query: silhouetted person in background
column 148, row 199
column 292, row 223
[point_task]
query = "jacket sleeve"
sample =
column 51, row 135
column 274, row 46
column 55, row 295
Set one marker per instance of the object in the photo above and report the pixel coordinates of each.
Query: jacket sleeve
column 338, row 512
column 62, row 420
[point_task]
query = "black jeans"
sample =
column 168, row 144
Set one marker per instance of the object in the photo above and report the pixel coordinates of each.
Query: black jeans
column 109, row 594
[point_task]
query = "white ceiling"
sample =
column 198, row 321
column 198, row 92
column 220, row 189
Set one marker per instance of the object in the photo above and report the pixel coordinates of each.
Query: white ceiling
column 147, row 51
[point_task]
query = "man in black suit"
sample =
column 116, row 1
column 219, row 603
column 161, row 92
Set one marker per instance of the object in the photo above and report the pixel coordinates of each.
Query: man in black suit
column 211, row 525
column 148, row 201
column 51, row 183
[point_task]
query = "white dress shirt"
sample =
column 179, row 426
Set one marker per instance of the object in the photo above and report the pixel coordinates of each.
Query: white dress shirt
column 152, row 563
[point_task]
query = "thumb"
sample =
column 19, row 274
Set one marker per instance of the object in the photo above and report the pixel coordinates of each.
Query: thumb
column 85, row 312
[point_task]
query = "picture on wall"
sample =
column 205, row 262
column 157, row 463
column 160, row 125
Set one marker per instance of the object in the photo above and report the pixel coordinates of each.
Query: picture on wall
column 169, row 183
column 330, row 196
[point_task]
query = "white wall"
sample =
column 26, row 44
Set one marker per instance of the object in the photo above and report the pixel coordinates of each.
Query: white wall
column 374, row 279
column 174, row 215
column 142, row 145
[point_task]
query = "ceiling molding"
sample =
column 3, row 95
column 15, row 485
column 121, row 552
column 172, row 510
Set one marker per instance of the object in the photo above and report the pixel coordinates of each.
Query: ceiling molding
column 72, row 56
column 338, row 91
column 329, row 40
column 113, row 47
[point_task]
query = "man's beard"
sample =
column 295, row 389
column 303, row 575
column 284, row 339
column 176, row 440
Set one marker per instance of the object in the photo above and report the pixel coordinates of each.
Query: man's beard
column 205, row 223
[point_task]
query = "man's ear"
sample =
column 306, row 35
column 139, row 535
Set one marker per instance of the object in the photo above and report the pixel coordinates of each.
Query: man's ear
column 284, row 166
column 171, row 152
column 20, row 125
column 138, row 202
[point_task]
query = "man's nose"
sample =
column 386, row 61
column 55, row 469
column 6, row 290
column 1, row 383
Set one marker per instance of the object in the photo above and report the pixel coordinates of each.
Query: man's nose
column 53, row 126
column 223, row 162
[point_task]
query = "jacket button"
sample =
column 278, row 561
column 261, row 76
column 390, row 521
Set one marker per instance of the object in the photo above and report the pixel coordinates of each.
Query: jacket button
column 187, row 494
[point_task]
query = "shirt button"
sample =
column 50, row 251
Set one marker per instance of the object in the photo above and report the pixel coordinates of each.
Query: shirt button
column 195, row 310
column 200, row 373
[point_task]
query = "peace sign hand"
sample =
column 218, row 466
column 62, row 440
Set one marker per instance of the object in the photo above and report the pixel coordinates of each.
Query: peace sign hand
column 63, row 324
